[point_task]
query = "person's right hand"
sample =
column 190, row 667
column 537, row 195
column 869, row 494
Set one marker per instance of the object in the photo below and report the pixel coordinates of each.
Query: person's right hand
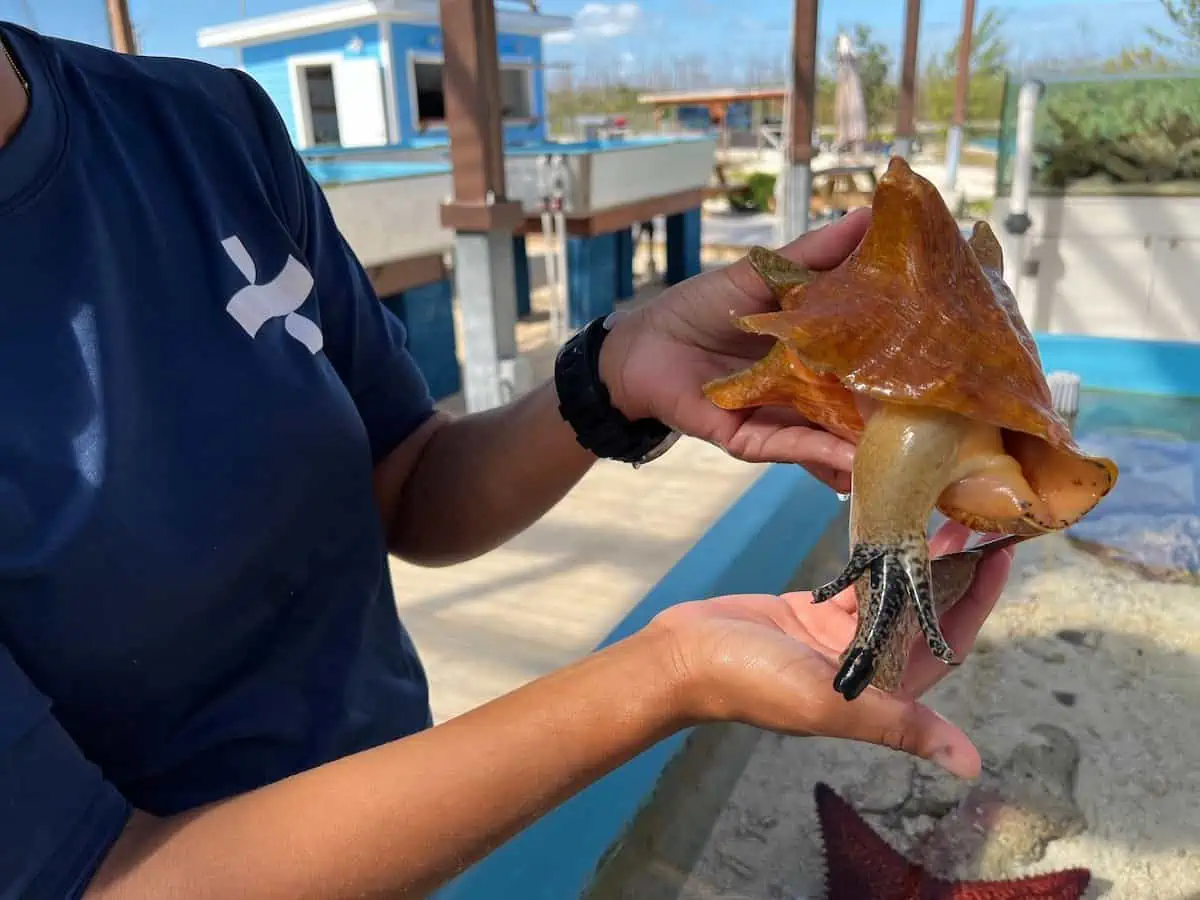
column 770, row 662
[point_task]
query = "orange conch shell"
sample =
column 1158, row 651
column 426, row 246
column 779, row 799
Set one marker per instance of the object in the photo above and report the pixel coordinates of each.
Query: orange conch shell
column 918, row 315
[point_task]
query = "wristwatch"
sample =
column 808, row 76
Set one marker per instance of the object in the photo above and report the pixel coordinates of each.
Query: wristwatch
column 586, row 405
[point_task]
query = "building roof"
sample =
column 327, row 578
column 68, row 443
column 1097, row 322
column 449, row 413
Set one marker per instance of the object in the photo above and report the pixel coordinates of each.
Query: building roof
column 343, row 13
column 714, row 95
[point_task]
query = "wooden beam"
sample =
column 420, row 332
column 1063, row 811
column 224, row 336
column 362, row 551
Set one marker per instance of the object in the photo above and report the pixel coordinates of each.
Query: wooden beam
column 471, row 83
column 804, row 82
column 401, row 275
column 606, row 221
column 120, row 26
column 964, row 64
column 905, row 128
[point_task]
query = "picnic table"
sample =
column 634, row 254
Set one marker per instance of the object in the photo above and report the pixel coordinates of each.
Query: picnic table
column 835, row 190
column 840, row 189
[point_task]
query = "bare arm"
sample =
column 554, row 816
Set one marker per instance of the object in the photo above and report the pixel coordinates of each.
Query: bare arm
column 401, row 819
column 459, row 488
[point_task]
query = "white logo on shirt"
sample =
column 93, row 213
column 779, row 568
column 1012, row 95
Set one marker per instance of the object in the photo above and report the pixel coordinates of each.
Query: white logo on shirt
column 256, row 304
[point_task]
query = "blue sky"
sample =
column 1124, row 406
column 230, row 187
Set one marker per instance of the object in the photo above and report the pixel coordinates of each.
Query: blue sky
column 727, row 32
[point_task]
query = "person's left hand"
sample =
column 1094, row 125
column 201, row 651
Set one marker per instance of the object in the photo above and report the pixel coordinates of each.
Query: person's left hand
column 658, row 358
column 770, row 661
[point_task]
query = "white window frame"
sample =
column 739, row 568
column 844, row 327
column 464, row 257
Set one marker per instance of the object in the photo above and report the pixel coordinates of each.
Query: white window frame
column 387, row 56
column 298, row 81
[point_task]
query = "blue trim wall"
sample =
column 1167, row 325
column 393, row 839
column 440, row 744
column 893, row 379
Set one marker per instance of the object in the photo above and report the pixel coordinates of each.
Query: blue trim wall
column 268, row 63
column 756, row 546
column 1115, row 364
column 427, row 39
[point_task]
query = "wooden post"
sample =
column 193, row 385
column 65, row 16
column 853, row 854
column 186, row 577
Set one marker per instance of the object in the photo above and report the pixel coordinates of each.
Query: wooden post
column 963, row 85
column 804, row 82
column 954, row 140
column 120, row 26
column 471, row 82
column 801, row 116
column 480, row 212
column 906, row 131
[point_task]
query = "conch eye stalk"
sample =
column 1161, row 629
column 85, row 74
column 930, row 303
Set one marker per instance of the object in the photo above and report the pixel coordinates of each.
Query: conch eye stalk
column 914, row 348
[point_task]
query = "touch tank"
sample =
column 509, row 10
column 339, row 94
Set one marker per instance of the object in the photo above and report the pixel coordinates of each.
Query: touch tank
column 1081, row 695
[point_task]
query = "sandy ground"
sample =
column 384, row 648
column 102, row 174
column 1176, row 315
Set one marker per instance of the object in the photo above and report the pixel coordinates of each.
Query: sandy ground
column 1085, row 687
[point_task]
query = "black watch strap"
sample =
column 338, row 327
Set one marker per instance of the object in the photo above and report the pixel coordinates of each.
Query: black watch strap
column 585, row 404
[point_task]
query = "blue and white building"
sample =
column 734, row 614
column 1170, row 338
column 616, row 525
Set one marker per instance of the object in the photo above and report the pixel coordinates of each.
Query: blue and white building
column 368, row 73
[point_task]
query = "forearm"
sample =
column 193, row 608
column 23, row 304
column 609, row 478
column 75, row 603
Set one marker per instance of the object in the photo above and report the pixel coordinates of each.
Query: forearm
column 401, row 819
column 484, row 478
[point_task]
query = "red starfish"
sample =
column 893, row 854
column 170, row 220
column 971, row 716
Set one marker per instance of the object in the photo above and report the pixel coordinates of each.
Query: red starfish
column 862, row 866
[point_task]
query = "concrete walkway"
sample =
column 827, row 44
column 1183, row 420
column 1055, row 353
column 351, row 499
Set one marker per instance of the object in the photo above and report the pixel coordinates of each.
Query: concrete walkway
column 549, row 596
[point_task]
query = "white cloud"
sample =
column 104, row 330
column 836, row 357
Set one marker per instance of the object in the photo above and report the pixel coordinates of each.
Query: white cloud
column 600, row 21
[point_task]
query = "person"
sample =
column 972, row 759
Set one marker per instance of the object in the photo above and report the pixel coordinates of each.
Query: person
column 213, row 437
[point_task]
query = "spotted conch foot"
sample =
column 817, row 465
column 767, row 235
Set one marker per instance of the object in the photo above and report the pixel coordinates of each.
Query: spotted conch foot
column 899, row 578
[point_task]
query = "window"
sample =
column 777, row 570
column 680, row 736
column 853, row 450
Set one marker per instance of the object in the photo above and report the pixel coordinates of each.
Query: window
column 323, row 106
column 431, row 102
column 516, row 92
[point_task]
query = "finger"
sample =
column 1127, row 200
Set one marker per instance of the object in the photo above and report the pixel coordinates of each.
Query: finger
column 826, row 247
column 905, row 725
column 756, row 441
column 821, row 248
column 949, row 538
column 834, row 479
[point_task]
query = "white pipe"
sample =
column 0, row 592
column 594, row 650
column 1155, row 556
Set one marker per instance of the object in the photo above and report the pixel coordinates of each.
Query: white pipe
column 551, row 253
column 1022, row 170
column 545, row 190
column 564, row 298
column 954, row 141
column 559, row 176
column 1017, row 222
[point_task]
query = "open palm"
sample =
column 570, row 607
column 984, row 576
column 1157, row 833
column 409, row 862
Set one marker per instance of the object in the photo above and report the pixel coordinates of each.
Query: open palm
column 770, row 661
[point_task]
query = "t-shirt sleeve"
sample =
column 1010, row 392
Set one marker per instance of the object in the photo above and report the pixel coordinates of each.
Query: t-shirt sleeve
column 58, row 814
column 363, row 339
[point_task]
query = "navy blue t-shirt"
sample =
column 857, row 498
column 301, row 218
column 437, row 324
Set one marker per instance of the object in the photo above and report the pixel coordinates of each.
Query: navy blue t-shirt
column 195, row 382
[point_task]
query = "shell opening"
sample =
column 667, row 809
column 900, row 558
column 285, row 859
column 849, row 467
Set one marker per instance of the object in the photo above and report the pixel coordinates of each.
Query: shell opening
column 1019, row 483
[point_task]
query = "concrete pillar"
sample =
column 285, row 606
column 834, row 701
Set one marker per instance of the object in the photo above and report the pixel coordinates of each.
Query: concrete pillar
column 795, row 192
column 486, row 287
column 480, row 213
column 961, row 89
column 954, row 139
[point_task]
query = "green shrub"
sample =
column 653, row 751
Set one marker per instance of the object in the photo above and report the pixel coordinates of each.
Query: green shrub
column 762, row 190
column 1112, row 133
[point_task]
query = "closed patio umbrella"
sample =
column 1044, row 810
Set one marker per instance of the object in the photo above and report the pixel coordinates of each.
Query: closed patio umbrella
column 849, row 107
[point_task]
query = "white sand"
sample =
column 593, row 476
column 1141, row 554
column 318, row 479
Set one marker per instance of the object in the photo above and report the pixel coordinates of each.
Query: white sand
column 1127, row 675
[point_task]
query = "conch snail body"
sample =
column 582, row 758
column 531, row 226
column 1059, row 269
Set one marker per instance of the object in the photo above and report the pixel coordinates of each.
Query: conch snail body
column 914, row 348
